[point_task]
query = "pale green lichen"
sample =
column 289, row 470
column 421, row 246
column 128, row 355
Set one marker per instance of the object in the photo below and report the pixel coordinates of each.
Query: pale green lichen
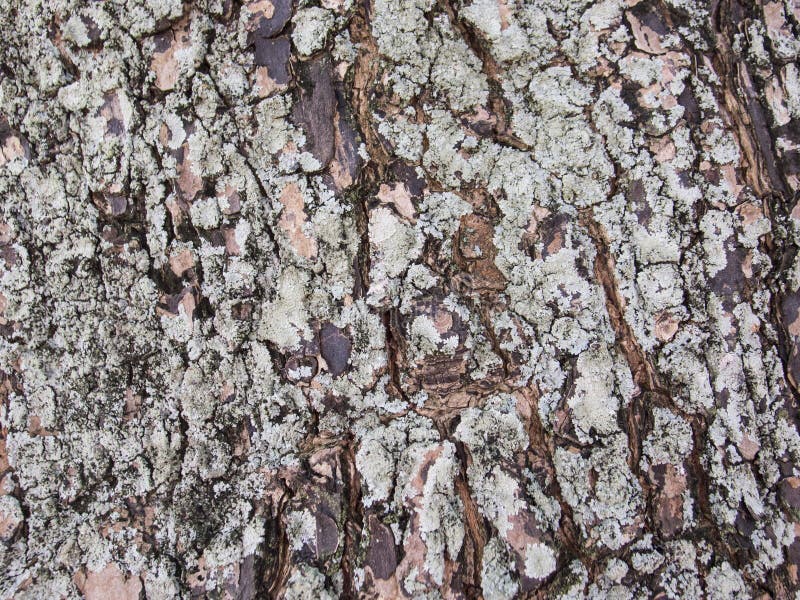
column 602, row 144
column 540, row 561
column 311, row 26
column 441, row 525
column 670, row 441
column 616, row 494
column 495, row 572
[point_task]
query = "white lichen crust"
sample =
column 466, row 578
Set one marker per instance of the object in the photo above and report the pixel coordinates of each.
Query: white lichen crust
column 399, row 299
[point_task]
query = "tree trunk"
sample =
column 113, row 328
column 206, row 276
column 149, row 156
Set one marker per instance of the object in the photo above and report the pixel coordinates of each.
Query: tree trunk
column 400, row 299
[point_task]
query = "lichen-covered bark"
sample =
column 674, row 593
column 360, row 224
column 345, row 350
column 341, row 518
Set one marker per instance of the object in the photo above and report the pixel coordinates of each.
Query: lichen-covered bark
column 399, row 299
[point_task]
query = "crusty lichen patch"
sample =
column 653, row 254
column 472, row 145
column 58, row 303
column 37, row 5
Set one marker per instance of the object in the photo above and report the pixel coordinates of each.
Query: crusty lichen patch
column 399, row 299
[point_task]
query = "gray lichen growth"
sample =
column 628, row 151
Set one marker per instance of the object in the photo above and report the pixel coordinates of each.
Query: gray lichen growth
column 399, row 299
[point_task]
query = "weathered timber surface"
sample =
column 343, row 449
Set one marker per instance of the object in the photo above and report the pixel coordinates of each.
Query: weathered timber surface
column 399, row 299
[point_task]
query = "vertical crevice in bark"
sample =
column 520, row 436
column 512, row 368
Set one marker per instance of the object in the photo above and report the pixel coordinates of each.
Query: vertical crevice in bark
column 475, row 529
column 353, row 519
column 741, row 99
column 276, row 551
column 501, row 133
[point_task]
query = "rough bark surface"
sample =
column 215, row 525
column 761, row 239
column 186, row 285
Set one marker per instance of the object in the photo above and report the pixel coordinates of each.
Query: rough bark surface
column 399, row 299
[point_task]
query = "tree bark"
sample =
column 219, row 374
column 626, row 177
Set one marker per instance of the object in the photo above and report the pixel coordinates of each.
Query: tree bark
column 400, row 299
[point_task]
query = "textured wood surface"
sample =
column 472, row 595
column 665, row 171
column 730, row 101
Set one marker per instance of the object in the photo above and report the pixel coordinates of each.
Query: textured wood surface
column 399, row 299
